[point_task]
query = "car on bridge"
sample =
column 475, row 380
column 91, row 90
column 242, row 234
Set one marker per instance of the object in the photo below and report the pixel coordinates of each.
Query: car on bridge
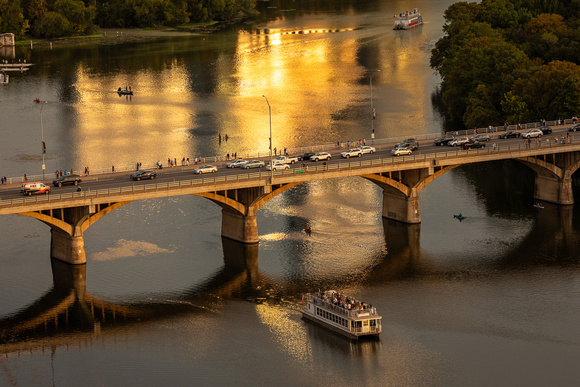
column 401, row 151
column 574, row 128
column 354, row 152
column 545, row 129
column 34, row 188
column 473, row 145
column 253, row 164
column 443, row 140
column 320, row 156
column 277, row 166
column 236, row 163
column 305, row 156
column 144, row 174
column 67, row 179
column 367, row 149
column 408, row 143
column 510, row 134
column 532, row 133
column 205, row 169
column 480, row 137
column 458, row 141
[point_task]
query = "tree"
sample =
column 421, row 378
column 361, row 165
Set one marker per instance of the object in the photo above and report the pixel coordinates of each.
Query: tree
column 481, row 110
column 52, row 25
column 11, row 18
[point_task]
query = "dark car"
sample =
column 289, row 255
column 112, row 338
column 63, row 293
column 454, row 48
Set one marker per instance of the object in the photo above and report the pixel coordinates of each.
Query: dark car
column 546, row 129
column 67, row 179
column 574, row 128
column 473, row 145
column 305, row 156
column 443, row 140
column 410, row 143
column 144, row 174
column 510, row 134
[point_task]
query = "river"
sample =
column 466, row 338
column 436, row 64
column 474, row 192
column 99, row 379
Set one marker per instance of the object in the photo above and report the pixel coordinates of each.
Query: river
column 492, row 300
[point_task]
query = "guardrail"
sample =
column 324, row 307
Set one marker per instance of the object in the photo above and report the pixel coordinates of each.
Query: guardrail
column 263, row 175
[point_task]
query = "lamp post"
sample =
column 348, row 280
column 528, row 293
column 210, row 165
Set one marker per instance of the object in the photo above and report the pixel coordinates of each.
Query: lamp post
column 43, row 146
column 372, row 109
column 271, row 165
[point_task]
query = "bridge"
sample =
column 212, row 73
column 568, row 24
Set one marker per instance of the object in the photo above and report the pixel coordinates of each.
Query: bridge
column 241, row 194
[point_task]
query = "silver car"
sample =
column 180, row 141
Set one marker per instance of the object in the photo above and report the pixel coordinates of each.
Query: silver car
column 277, row 166
column 532, row 133
column 253, row 164
column 206, row 169
column 367, row 149
column 236, row 163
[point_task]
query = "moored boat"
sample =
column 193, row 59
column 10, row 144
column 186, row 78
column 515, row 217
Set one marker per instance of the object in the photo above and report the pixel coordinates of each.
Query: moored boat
column 406, row 20
column 342, row 314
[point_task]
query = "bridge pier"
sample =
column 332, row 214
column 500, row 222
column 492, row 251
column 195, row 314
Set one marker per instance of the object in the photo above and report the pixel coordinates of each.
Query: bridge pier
column 67, row 248
column 402, row 208
column 238, row 227
column 554, row 189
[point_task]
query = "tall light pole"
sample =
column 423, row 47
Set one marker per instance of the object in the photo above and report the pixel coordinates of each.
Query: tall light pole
column 43, row 146
column 372, row 109
column 271, row 165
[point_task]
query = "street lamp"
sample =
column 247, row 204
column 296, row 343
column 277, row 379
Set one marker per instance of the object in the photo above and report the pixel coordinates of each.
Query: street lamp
column 43, row 146
column 271, row 165
column 372, row 108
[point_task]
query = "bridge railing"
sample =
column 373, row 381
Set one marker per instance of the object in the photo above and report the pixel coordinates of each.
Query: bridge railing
column 263, row 175
column 294, row 151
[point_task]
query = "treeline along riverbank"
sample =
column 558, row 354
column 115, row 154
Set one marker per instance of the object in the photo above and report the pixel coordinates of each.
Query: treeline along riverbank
column 509, row 61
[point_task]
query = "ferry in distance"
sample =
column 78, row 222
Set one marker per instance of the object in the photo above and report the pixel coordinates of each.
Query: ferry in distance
column 342, row 314
column 407, row 20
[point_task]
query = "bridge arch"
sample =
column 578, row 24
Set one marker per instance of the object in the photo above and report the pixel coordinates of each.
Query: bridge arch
column 401, row 191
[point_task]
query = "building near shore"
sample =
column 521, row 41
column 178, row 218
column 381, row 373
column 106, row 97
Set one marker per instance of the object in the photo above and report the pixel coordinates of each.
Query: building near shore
column 7, row 39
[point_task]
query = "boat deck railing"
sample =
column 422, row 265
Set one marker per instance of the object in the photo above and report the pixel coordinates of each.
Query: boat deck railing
column 351, row 313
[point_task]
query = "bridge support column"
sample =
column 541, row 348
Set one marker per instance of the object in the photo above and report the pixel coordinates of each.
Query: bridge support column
column 554, row 190
column 241, row 228
column 67, row 248
column 402, row 208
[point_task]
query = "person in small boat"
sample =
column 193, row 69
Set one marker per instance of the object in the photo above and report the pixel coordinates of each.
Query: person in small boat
column 460, row 215
column 308, row 229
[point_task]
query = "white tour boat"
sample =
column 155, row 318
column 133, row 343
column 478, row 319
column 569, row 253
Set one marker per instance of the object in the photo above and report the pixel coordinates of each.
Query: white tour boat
column 342, row 314
column 406, row 20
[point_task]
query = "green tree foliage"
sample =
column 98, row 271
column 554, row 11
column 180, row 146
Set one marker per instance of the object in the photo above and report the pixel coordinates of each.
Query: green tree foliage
column 512, row 60
column 79, row 17
column 12, row 19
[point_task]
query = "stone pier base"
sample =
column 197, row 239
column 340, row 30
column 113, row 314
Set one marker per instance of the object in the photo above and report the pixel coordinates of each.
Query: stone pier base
column 399, row 207
column 239, row 227
column 554, row 190
column 67, row 248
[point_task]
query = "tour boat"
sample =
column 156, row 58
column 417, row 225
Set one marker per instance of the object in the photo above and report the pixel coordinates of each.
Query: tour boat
column 406, row 20
column 342, row 314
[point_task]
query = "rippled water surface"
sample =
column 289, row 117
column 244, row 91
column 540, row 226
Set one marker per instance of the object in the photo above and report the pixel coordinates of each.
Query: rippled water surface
column 494, row 299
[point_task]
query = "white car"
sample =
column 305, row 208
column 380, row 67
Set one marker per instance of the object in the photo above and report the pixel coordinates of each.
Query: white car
column 354, row 152
column 401, row 151
column 206, row 169
column 277, row 166
column 235, row 163
column 458, row 141
column 532, row 133
column 367, row 149
column 320, row 156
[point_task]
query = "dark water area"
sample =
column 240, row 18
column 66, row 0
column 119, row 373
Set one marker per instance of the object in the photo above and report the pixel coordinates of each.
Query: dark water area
column 164, row 299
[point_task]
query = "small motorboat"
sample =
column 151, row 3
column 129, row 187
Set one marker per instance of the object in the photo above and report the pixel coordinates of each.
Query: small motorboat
column 124, row 92
column 538, row 205
column 460, row 217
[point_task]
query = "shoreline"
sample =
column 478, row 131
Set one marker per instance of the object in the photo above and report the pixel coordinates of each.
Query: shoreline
column 106, row 36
